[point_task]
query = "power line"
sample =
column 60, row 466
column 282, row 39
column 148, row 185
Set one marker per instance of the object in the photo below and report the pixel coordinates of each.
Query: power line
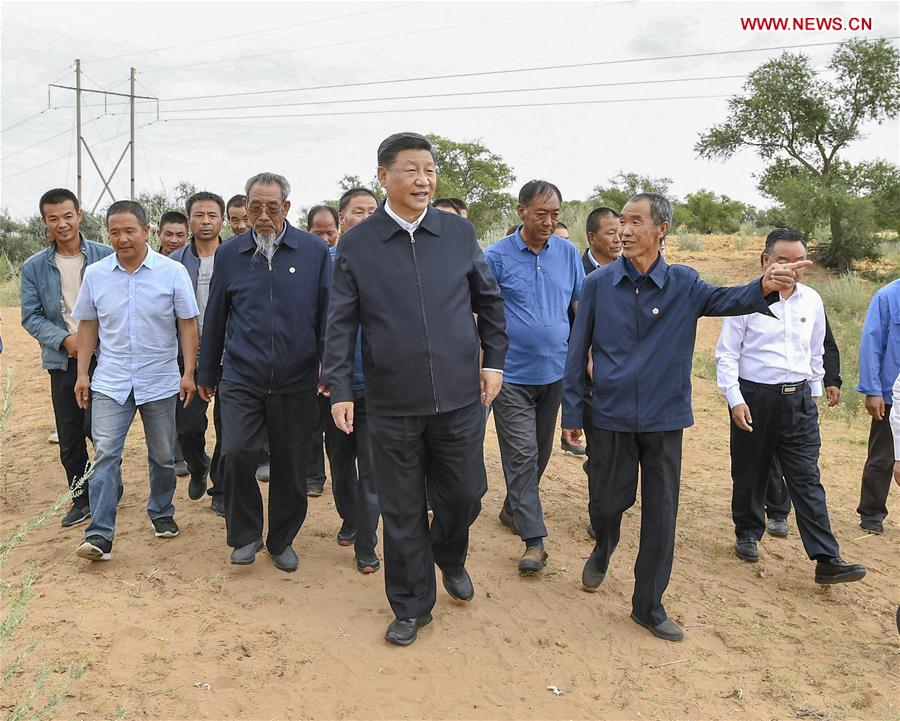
column 22, row 122
column 461, row 107
column 242, row 35
column 450, row 95
column 52, row 78
column 508, row 71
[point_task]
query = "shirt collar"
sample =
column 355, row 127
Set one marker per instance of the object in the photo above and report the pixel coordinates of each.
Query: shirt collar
column 593, row 261
column 406, row 225
column 520, row 241
column 148, row 262
column 657, row 273
column 277, row 240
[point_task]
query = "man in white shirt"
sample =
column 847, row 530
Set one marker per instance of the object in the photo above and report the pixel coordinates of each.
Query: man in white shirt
column 895, row 430
column 769, row 369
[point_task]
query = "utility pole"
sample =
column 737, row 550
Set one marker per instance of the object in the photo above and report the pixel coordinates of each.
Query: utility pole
column 131, row 144
column 78, row 122
column 132, row 98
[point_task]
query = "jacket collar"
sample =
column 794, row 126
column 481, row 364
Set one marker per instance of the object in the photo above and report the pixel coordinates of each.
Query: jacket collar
column 51, row 248
column 193, row 245
column 657, row 275
column 386, row 227
column 248, row 242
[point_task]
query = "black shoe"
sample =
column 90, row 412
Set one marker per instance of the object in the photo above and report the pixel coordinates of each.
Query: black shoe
column 95, row 548
column 262, row 473
column 777, row 527
column 507, row 520
column 121, row 494
column 872, row 525
column 76, row 515
column 181, row 469
column 837, row 570
column 404, row 631
column 533, row 560
column 668, row 630
column 197, row 485
column 367, row 564
column 345, row 537
column 591, row 576
column 577, row 449
column 745, row 548
column 459, row 587
column 245, row 555
column 165, row 527
column 286, row 560
column 217, row 506
column 315, row 487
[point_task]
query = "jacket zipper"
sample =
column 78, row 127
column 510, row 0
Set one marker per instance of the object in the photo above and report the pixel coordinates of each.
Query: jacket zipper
column 412, row 245
column 271, row 325
column 637, row 325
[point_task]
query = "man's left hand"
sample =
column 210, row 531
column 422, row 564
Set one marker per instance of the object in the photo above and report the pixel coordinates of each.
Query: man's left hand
column 187, row 389
column 833, row 395
column 491, row 382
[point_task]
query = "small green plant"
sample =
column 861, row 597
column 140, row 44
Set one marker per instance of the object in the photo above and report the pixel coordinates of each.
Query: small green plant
column 691, row 242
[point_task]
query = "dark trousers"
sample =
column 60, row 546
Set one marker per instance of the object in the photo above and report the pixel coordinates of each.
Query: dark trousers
column 448, row 448
column 878, row 471
column 191, row 424
column 778, row 498
column 73, row 426
column 614, row 458
column 315, row 470
column 525, row 417
column 785, row 425
column 341, row 451
column 249, row 417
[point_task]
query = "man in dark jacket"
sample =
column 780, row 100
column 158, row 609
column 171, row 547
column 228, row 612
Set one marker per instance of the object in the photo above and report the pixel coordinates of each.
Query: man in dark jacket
column 266, row 310
column 641, row 401
column 411, row 277
column 205, row 212
column 50, row 281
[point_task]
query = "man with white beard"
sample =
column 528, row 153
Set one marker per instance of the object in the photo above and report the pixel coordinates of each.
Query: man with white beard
column 266, row 311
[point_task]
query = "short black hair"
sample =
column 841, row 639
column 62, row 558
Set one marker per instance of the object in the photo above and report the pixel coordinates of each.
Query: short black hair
column 173, row 216
column 391, row 146
column 537, row 189
column 592, row 224
column 57, row 195
column 512, row 229
column 311, row 215
column 351, row 194
column 239, row 200
column 783, row 234
column 460, row 203
column 204, row 195
column 446, row 202
column 560, row 224
column 127, row 206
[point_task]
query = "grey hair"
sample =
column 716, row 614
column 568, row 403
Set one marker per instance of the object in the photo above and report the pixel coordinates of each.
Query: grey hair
column 660, row 208
column 266, row 179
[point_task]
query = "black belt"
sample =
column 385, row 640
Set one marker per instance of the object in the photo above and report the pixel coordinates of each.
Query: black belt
column 785, row 389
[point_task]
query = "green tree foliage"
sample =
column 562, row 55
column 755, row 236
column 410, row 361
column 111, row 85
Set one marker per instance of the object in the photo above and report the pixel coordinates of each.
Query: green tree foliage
column 706, row 212
column 354, row 181
column 470, row 171
column 798, row 123
column 623, row 186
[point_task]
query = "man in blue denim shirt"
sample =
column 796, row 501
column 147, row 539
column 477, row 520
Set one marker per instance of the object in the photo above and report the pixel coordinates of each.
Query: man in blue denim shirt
column 638, row 316
column 50, row 281
column 129, row 304
column 879, row 364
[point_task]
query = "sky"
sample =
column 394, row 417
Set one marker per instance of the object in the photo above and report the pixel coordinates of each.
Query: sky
column 262, row 52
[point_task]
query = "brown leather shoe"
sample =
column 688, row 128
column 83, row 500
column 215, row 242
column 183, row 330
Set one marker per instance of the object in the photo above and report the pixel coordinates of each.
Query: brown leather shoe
column 533, row 560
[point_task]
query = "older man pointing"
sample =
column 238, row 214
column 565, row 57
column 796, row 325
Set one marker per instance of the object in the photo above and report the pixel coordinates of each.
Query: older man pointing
column 638, row 316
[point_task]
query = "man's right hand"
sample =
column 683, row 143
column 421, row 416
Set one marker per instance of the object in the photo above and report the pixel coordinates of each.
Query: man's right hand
column 875, row 407
column 83, row 391
column 70, row 346
column 740, row 414
column 897, row 472
column 206, row 392
column 342, row 413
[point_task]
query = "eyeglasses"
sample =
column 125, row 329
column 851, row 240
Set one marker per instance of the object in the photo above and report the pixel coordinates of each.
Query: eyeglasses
column 272, row 209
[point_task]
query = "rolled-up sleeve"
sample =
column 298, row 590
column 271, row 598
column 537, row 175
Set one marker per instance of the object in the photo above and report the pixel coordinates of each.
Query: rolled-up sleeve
column 185, row 301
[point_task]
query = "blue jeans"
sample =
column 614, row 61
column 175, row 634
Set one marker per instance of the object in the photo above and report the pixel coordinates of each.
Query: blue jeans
column 109, row 426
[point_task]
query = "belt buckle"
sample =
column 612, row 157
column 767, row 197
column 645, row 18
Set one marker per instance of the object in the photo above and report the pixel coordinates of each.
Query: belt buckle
column 787, row 390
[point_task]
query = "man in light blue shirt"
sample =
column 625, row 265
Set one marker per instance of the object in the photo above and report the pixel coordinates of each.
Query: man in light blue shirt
column 879, row 364
column 540, row 277
column 127, row 303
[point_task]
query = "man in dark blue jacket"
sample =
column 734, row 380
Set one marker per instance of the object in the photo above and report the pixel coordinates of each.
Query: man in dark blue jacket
column 412, row 276
column 266, row 310
column 638, row 316
column 50, row 281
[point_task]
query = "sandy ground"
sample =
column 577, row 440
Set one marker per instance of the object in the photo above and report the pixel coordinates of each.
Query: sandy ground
column 164, row 616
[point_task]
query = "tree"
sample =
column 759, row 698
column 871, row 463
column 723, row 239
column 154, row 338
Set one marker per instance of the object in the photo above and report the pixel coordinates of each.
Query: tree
column 354, row 181
column 799, row 123
column 472, row 172
column 704, row 212
column 625, row 185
